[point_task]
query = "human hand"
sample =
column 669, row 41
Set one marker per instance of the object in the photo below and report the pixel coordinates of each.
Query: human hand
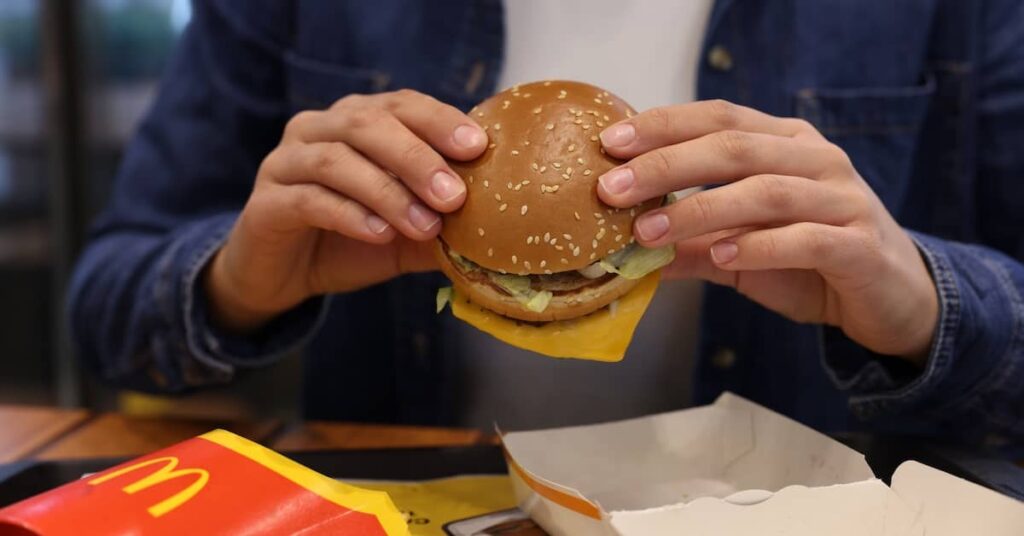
column 794, row 227
column 349, row 197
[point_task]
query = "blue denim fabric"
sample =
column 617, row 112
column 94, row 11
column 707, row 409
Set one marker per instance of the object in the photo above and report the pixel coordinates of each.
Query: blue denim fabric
column 926, row 96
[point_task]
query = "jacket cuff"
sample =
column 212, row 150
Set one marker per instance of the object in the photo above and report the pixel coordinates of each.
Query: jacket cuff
column 222, row 350
column 885, row 385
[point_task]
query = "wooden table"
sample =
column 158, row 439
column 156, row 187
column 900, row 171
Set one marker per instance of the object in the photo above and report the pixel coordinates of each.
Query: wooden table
column 50, row 433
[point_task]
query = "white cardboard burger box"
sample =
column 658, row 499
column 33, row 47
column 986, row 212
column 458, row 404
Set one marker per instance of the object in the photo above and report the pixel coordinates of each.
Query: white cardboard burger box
column 732, row 468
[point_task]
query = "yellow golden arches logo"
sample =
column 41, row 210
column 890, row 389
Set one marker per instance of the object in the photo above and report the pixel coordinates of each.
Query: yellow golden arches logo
column 167, row 472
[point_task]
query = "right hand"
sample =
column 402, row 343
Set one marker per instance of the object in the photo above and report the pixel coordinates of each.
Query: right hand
column 350, row 197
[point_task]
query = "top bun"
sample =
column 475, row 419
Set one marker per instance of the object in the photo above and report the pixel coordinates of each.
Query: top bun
column 531, row 204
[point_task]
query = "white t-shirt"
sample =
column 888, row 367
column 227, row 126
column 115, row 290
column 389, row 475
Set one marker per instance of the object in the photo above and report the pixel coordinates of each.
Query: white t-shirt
column 645, row 51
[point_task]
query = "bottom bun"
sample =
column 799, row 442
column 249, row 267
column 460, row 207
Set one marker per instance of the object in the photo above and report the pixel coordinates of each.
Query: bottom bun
column 563, row 306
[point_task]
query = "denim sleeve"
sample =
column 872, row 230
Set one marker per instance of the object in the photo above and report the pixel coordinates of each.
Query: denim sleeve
column 138, row 315
column 974, row 377
column 973, row 382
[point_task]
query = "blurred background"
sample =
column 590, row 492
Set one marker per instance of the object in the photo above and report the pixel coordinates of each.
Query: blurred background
column 75, row 78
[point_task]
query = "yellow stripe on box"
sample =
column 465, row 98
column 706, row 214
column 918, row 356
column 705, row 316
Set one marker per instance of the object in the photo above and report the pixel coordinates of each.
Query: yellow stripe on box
column 376, row 503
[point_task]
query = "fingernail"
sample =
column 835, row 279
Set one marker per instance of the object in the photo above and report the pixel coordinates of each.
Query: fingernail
column 422, row 218
column 616, row 181
column 445, row 187
column 618, row 135
column 652, row 226
column 469, row 136
column 376, row 224
column 724, row 252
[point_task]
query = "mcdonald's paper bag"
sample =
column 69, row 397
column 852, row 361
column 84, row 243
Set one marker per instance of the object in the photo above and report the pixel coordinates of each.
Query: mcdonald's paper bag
column 735, row 468
column 217, row 483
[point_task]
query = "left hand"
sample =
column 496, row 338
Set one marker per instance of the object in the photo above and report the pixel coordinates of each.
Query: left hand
column 794, row 227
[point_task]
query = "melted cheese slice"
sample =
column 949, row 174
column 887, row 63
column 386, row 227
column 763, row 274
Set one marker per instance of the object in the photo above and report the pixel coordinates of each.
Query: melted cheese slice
column 599, row 336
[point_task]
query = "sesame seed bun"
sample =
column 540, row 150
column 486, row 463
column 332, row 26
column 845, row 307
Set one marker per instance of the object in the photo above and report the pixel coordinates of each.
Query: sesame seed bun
column 531, row 204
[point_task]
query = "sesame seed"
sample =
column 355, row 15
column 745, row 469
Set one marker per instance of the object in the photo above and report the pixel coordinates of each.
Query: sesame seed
column 486, row 128
column 497, row 197
column 602, row 150
column 606, row 118
column 600, row 123
column 536, row 110
column 560, row 248
column 592, row 255
column 508, row 186
column 529, row 240
column 604, row 93
column 471, row 179
column 568, row 171
column 526, row 142
column 618, row 238
column 547, row 272
column 576, row 251
column 515, row 152
column 527, row 265
column 586, row 172
column 579, row 161
column 586, row 127
column 593, row 244
column 497, row 126
column 515, row 93
column 553, row 188
column 577, row 114
column 597, row 215
column 563, row 261
column 534, row 166
column 562, row 94
column 479, row 114
column 597, row 100
column 565, row 176
column 526, row 95
column 554, row 241
column 490, row 252
column 543, row 263
column 600, row 233
column 547, row 237
column 487, row 183
column 547, row 83
column 504, row 104
column 503, row 207
column 632, row 212
column 526, row 182
column 567, row 236
column 556, row 165
column 480, row 231
column 593, row 138
column 502, row 270
column 578, row 122
column 518, row 187
column 493, row 145
column 572, row 147
column 593, row 113
column 600, row 221
column 576, row 215
column 514, row 259
column 543, row 169
column 615, row 227
column 550, row 126
column 610, row 251
column 522, row 211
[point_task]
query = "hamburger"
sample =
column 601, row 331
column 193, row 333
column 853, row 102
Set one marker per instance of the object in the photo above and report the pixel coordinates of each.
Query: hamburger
column 533, row 243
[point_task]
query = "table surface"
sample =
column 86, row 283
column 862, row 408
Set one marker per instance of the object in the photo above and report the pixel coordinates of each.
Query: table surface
column 51, row 433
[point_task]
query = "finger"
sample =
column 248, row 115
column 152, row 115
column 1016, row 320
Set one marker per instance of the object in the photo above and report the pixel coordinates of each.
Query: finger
column 755, row 201
column 349, row 173
column 668, row 125
column 382, row 138
column 443, row 126
column 805, row 245
column 322, row 208
column 720, row 157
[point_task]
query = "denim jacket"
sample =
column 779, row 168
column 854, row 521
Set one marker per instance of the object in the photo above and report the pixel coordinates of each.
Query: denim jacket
column 926, row 96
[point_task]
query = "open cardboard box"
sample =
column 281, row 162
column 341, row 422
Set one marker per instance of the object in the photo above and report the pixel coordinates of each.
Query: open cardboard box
column 732, row 468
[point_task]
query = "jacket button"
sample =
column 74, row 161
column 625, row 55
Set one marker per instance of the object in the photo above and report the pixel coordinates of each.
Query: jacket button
column 724, row 358
column 719, row 58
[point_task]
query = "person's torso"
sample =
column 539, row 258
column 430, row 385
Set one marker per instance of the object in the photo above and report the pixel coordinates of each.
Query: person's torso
column 889, row 82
